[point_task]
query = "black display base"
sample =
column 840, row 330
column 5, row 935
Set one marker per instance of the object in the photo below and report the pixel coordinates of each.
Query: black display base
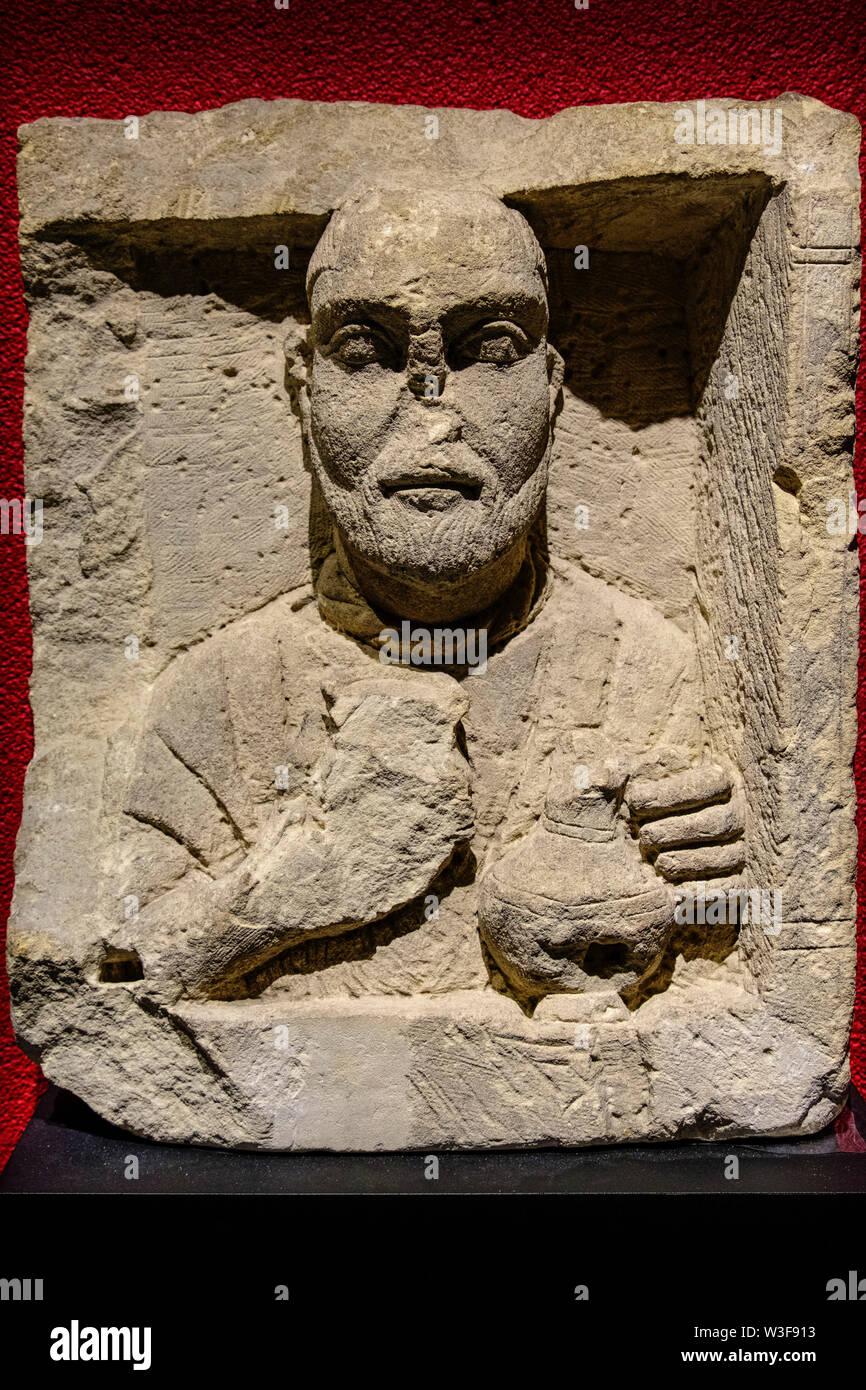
column 66, row 1148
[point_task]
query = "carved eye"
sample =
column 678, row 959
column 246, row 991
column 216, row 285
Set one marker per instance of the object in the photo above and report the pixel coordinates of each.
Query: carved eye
column 500, row 344
column 358, row 345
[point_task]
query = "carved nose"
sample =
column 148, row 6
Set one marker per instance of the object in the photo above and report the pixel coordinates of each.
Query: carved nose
column 444, row 431
column 426, row 369
column 426, row 380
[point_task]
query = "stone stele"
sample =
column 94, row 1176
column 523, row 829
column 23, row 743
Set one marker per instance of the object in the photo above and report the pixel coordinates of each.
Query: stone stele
column 444, row 594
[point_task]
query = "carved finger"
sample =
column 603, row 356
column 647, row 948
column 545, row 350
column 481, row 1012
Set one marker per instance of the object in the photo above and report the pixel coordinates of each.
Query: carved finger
column 708, row 826
column 682, row 791
column 707, row 861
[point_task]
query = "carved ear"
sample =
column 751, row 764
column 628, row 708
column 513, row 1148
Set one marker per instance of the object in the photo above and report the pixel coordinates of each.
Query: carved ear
column 298, row 348
column 556, row 375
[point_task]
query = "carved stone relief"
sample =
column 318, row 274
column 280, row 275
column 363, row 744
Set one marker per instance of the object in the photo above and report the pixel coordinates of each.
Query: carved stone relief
column 444, row 645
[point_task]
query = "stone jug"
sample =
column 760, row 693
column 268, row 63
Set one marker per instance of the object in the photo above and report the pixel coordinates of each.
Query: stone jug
column 573, row 907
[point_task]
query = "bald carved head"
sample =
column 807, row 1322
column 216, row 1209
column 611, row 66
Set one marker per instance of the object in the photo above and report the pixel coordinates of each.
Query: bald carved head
column 432, row 390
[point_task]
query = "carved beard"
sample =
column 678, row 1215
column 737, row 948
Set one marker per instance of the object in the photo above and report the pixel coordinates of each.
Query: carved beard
column 431, row 535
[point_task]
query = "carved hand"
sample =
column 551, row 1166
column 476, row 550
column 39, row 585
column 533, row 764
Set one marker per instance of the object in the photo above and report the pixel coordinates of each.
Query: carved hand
column 392, row 802
column 690, row 825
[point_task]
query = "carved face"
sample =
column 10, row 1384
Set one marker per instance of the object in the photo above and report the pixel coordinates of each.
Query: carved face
column 433, row 388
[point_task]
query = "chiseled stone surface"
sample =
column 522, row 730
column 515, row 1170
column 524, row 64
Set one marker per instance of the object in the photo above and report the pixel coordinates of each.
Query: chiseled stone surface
column 444, row 622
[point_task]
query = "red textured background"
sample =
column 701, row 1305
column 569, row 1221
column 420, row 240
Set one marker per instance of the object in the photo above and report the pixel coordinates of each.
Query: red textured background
column 95, row 58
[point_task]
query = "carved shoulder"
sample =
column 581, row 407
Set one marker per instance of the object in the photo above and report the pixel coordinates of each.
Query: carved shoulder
column 214, row 743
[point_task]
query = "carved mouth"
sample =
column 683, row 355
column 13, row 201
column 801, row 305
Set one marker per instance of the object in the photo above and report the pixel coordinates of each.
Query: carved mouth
column 431, row 490
column 430, row 480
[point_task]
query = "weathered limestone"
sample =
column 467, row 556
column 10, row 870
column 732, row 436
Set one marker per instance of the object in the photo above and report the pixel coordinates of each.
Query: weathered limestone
column 445, row 636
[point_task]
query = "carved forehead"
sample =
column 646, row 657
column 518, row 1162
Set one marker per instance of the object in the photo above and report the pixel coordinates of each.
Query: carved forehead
column 398, row 244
